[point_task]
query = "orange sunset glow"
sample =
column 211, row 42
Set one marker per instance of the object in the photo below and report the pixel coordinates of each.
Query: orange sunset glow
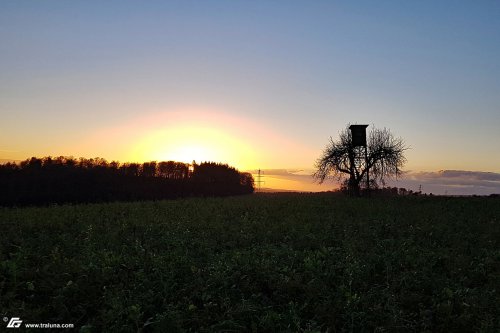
column 244, row 84
column 250, row 166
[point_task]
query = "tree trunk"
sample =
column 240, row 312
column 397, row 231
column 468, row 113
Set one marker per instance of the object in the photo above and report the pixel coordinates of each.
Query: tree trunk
column 353, row 187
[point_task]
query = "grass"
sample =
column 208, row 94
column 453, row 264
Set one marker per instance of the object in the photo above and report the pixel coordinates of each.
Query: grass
column 261, row 263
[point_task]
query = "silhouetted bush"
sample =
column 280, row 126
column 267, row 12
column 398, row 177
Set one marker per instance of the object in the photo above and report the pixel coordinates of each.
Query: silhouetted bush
column 39, row 181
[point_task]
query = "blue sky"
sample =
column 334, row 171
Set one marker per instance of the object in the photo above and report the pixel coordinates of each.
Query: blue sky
column 296, row 72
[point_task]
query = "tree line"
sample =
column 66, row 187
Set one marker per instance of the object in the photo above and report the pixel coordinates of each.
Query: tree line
column 48, row 180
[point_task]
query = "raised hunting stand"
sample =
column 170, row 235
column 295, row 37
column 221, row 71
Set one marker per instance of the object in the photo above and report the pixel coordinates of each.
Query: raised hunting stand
column 358, row 135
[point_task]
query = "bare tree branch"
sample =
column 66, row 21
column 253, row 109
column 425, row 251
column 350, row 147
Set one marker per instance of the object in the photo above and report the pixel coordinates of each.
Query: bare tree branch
column 385, row 158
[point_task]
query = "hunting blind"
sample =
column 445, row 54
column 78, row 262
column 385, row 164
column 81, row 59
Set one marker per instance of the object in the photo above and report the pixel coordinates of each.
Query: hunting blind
column 358, row 135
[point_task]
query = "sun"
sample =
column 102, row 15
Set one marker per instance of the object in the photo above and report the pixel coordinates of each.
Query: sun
column 183, row 150
column 188, row 153
column 193, row 143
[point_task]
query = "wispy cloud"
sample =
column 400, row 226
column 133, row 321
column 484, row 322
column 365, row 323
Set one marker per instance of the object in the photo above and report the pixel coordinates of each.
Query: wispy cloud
column 285, row 172
column 459, row 182
column 291, row 179
column 452, row 182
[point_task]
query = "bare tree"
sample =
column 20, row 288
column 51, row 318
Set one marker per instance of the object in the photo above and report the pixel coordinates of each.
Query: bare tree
column 341, row 159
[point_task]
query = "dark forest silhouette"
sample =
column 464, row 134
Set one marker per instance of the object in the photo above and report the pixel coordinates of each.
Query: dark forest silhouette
column 39, row 181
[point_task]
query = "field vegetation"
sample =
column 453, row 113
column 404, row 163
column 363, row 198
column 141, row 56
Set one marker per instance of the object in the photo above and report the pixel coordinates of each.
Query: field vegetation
column 256, row 263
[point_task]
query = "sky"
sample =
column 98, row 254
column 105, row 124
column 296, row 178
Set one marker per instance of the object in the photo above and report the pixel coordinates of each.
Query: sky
column 255, row 84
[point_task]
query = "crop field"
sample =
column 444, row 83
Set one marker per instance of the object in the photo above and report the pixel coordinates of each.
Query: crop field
column 256, row 263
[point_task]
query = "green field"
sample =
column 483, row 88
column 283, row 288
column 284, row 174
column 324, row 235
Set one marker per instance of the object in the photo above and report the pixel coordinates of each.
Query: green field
column 261, row 263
